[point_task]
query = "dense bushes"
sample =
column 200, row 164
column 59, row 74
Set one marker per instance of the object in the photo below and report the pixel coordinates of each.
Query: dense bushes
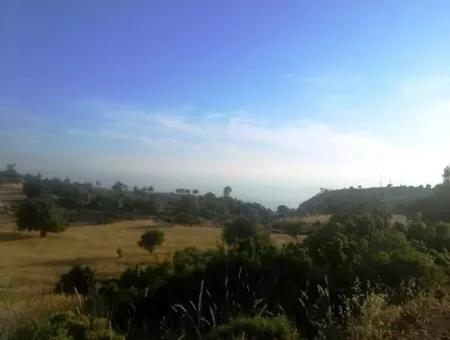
column 241, row 285
column 269, row 328
column 78, row 280
column 66, row 326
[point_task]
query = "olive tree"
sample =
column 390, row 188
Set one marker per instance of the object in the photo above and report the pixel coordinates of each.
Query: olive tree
column 40, row 215
column 151, row 239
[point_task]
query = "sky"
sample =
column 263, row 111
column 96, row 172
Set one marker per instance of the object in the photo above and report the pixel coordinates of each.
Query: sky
column 275, row 98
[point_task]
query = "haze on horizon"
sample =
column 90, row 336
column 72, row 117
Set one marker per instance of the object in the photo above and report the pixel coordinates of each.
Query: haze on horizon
column 274, row 99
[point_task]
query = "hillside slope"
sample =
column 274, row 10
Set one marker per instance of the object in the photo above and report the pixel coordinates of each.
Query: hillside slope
column 357, row 201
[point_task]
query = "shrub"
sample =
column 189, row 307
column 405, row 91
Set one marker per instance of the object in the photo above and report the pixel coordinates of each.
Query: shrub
column 186, row 218
column 260, row 328
column 151, row 239
column 242, row 231
column 190, row 259
column 66, row 326
column 77, row 279
column 150, row 277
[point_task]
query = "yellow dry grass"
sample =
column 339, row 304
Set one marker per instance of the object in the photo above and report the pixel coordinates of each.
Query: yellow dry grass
column 30, row 262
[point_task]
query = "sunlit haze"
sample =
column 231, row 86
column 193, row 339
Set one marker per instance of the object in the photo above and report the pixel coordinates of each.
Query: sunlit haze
column 275, row 101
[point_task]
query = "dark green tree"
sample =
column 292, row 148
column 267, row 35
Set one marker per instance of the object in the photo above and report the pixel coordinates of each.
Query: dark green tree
column 151, row 239
column 227, row 191
column 283, row 211
column 119, row 186
column 40, row 215
column 446, row 175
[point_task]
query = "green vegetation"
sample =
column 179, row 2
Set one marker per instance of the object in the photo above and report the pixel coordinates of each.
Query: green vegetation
column 89, row 203
column 66, row 326
column 151, row 239
column 361, row 201
column 432, row 203
column 262, row 328
column 317, row 286
column 78, row 280
column 336, row 279
column 40, row 215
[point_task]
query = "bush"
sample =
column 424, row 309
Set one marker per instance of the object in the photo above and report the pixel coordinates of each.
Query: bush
column 150, row 277
column 242, row 231
column 186, row 218
column 151, row 239
column 190, row 259
column 258, row 328
column 66, row 326
column 77, row 279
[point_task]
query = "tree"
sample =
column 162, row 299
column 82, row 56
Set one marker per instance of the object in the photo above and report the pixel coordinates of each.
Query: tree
column 151, row 239
column 32, row 188
column 119, row 186
column 195, row 191
column 239, row 230
column 40, row 215
column 227, row 191
column 10, row 173
column 283, row 211
column 446, row 175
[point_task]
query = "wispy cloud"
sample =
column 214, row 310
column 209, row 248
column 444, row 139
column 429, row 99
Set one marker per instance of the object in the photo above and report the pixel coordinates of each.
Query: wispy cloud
column 254, row 148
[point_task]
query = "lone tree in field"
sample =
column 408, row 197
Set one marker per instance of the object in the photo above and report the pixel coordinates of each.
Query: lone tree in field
column 151, row 239
column 40, row 215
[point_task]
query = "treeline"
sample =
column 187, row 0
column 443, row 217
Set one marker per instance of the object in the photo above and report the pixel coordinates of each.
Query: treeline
column 92, row 203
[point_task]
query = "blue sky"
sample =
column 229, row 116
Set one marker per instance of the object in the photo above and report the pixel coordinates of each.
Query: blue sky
column 276, row 98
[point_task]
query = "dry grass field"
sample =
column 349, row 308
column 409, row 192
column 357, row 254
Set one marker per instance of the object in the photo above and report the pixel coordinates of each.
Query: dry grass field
column 30, row 266
column 29, row 262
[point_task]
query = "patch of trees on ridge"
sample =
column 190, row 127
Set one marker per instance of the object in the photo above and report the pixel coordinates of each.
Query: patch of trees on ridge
column 53, row 202
column 432, row 202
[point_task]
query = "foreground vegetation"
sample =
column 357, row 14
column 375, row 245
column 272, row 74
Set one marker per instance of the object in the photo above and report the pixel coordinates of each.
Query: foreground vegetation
column 357, row 276
column 323, row 288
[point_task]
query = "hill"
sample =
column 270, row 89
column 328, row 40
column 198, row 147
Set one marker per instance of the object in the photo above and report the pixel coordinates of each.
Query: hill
column 397, row 200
